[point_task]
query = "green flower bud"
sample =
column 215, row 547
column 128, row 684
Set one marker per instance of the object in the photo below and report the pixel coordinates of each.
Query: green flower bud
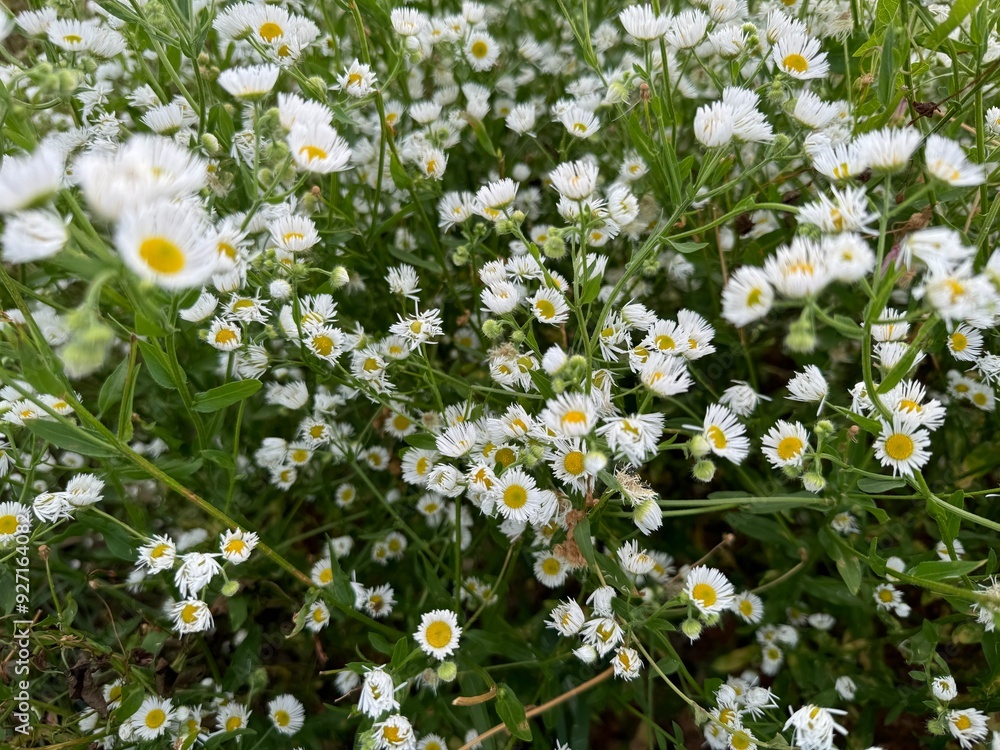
column 704, row 471
column 460, row 256
column 554, row 247
column 824, row 427
column 691, row 628
column 517, row 337
column 447, row 671
column 89, row 343
column 231, row 588
column 813, row 481
column 801, row 337
column 504, row 226
column 210, row 143
column 698, row 446
column 492, row 329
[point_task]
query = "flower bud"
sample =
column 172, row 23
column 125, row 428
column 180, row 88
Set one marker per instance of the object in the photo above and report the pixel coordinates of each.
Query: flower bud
column 231, row 588
column 492, row 329
column 698, row 446
column 691, row 628
column 813, row 481
column 210, row 143
column 704, row 471
column 339, row 278
column 594, row 462
column 447, row 671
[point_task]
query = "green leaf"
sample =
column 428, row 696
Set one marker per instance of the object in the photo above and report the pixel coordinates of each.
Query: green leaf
column 117, row 540
column 379, row 643
column 114, row 386
column 71, row 438
column 850, row 571
column 482, row 137
column 940, row 570
column 877, row 486
column 237, row 612
column 581, row 535
column 132, row 697
column 398, row 172
column 847, row 327
column 158, row 364
column 885, row 13
column 303, row 614
column 591, row 290
column 687, row 247
column 953, row 521
column 886, row 84
column 422, row 440
column 956, row 15
column 512, row 713
column 226, row 395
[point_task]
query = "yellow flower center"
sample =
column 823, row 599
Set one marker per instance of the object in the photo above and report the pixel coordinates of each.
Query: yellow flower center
column 225, row 336
column 8, row 524
column 282, row 719
column 323, row 344
column 515, row 496
column 391, row 734
column 573, row 463
column 959, row 342
column 746, row 608
column 233, row 723
column 480, row 49
column 155, row 718
column 354, row 79
column 189, row 614
column 885, row 595
column 326, row 576
column 235, row 546
column 899, row 447
column 545, row 309
column 312, row 152
column 422, row 465
column 718, row 437
column 551, row 566
column 739, row 740
column 962, row 722
column 438, row 634
column 269, row 31
column 753, row 298
column 789, row 448
column 72, row 38
column 162, row 255
column 795, row 62
column 664, row 343
column 159, row 550
column 574, row 417
column 704, row 594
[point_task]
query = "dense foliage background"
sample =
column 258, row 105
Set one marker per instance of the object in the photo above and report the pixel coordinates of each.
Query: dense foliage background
column 549, row 373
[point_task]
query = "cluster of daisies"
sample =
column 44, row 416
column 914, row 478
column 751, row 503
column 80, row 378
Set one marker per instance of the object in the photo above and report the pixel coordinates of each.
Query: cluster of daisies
column 159, row 718
column 447, row 253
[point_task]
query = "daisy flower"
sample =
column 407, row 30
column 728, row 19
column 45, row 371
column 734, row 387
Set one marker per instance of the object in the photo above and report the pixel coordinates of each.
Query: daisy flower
column 169, row 244
column 287, row 713
column 902, row 445
column 800, row 56
column 785, row 444
column 709, row 590
column 725, row 435
column 438, row 633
